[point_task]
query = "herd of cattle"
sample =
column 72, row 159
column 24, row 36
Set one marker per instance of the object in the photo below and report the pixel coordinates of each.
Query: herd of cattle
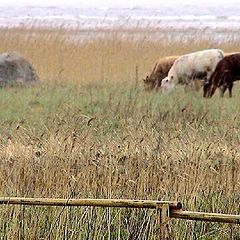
column 211, row 68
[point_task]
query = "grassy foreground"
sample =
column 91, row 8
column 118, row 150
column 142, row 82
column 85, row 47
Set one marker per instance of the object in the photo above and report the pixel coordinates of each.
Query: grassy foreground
column 90, row 131
column 115, row 141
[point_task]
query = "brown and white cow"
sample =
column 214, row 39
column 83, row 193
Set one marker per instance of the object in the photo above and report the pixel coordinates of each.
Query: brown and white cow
column 190, row 67
column 226, row 72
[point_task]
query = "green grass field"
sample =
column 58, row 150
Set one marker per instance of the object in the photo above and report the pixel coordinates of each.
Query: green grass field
column 116, row 141
column 90, row 131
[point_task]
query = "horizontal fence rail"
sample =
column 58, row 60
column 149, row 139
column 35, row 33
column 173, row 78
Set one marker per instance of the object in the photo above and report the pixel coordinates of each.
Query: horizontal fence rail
column 202, row 216
column 90, row 202
column 164, row 209
column 175, row 208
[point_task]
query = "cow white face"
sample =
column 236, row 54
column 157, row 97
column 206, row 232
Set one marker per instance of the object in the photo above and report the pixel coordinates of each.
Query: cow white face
column 167, row 85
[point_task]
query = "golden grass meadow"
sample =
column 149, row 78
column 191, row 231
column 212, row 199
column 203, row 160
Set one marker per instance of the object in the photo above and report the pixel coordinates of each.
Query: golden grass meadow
column 91, row 131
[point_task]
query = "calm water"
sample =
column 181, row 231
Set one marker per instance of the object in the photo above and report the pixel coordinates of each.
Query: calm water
column 221, row 21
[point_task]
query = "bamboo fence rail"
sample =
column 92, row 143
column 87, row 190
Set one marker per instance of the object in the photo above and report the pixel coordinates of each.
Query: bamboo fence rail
column 164, row 209
column 90, row 202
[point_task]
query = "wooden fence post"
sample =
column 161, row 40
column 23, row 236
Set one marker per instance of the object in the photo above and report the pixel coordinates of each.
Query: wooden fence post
column 162, row 212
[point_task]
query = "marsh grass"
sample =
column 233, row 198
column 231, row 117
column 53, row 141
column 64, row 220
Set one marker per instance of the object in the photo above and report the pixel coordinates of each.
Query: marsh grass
column 105, row 56
column 90, row 131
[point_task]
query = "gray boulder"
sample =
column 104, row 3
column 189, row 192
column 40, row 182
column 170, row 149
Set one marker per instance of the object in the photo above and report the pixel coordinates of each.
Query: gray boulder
column 16, row 70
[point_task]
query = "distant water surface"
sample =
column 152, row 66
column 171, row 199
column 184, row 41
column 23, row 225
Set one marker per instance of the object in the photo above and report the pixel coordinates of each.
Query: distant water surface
column 209, row 18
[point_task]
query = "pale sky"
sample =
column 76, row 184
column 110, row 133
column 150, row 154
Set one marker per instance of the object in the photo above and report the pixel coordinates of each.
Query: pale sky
column 112, row 3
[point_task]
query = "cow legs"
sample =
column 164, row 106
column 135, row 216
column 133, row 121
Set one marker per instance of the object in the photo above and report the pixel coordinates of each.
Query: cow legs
column 224, row 87
column 223, row 81
column 230, row 86
column 228, row 83
column 222, row 90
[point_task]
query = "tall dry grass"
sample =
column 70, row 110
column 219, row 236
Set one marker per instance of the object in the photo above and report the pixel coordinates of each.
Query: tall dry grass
column 113, row 55
column 110, row 139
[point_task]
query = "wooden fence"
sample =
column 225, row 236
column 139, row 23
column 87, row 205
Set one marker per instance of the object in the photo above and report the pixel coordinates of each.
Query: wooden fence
column 164, row 209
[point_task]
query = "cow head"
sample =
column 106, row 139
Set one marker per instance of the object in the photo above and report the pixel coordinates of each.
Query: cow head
column 206, row 88
column 210, row 86
column 167, row 84
column 150, row 83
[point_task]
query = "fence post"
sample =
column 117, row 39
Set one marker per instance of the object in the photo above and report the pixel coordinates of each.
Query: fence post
column 162, row 212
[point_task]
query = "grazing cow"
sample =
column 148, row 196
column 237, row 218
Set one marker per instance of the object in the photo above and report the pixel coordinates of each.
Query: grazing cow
column 226, row 72
column 160, row 71
column 194, row 66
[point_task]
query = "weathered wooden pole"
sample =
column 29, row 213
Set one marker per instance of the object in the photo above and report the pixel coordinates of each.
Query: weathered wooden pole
column 202, row 216
column 127, row 203
column 162, row 212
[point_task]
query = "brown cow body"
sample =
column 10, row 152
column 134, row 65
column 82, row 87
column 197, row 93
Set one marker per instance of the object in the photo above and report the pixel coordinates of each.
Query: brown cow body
column 226, row 72
column 160, row 71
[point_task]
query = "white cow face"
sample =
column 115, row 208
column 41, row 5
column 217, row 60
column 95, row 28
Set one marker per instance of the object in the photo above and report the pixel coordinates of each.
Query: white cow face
column 167, row 85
